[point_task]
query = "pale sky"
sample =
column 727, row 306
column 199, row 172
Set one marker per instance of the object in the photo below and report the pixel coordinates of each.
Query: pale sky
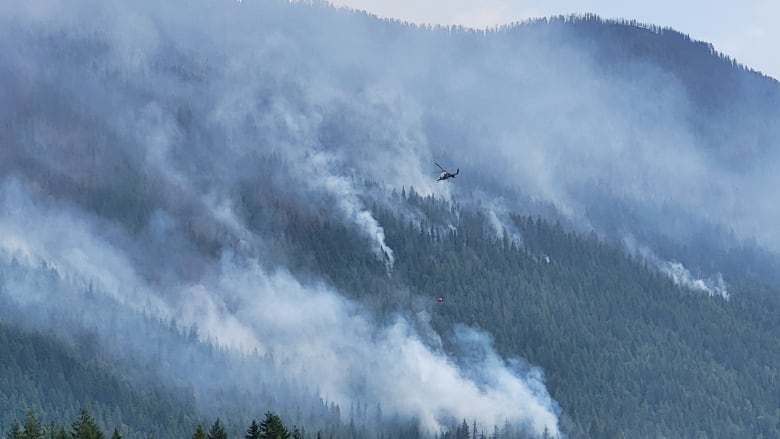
column 745, row 30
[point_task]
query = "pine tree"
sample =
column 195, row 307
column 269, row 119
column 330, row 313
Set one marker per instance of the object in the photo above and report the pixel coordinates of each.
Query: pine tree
column 115, row 434
column 272, row 427
column 15, row 432
column 254, row 431
column 56, row 432
column 199, row 433
column 85, row 427
column 462, row 432
column 217, row 431
column 297, row 433
column 32, row 427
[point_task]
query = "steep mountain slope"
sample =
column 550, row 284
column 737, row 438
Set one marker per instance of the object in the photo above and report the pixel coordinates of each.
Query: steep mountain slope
column 39, row 372
column 237, row 169
column 625, row 349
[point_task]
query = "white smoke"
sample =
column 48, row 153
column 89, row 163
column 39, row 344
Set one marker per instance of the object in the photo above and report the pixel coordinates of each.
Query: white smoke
column 350, row 205
column 713, row 285
column 312, row 324
column 318, row 171
column 308, row 326
column 62, row 240
column 498, row 216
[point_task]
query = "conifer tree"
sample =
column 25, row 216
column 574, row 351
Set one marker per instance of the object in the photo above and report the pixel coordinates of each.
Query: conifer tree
column 463, row 432
column 15, row 432
column 217, row 431
column 272, row 427
column 85, row 427
column 199, row 433
column 56, row 432
column 253, row 432
column 32, row 427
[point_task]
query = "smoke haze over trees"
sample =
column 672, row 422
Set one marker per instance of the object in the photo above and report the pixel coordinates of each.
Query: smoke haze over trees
column 241, row 198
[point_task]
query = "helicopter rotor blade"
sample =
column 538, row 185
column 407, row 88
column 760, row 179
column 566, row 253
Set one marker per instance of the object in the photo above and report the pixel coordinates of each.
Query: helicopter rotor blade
column 442, row 169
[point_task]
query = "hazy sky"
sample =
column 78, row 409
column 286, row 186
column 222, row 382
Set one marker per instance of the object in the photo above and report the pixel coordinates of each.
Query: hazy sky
column 743, row 30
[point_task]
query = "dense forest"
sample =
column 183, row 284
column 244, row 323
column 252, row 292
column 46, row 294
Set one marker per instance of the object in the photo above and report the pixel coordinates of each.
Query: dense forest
column 86, row 427
column 216, row 211
column 271, row 427
column 620, row 341
column 625, row 349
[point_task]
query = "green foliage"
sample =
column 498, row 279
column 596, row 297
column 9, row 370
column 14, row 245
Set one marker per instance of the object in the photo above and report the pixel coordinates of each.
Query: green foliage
column 625, row 350
column 85, row 427
column 15, row 432
column 253, row 432
column 55, row 431
column 41, row 371
column 272, row 427
column 620, row 343
column 217, row 431
column 200, row 433
column 32, row 427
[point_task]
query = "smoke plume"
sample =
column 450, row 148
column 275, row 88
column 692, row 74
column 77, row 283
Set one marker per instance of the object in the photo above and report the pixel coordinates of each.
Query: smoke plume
column 326, row 341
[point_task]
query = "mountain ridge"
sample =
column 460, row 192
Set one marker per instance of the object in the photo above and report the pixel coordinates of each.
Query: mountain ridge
column 265, row 169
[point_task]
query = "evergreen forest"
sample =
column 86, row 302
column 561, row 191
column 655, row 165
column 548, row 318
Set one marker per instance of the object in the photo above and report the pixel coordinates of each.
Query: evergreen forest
column 221, row 220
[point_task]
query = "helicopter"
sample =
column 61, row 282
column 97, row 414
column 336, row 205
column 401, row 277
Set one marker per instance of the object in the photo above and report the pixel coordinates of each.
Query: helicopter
column 445, row 174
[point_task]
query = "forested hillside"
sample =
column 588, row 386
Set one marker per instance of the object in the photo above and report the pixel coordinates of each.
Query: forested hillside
column 625, row 349
column 217, row 209
column 38, row 372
